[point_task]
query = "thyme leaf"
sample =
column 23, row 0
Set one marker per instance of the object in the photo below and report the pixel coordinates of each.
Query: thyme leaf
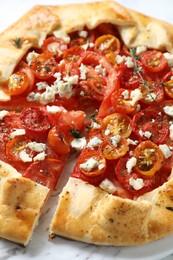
column 17, row 43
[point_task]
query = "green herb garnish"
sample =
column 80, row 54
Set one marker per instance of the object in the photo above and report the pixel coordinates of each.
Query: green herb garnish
column 17, row 43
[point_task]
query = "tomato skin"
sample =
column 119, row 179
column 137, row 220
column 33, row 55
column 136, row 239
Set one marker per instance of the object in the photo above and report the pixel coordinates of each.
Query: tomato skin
column 153, row 60
column 94, row 176
column 124, row 177
column 16, row 84
column 58, row 142
column 44, row 65
column 120, row 103
column 150, row 120
column 45, row 172
column 35, row 122
column 30, row 74
column 54, row 45
column 149, row 158
column 152, row 92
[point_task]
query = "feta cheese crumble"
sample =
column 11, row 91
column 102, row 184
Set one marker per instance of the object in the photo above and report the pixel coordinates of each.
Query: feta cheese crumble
column 90, row 164
column 108, row 186
column 130, row 164
column 3, row 113
column 78, row 143
column 165, row 150
column 18, row 132
column 137, row 184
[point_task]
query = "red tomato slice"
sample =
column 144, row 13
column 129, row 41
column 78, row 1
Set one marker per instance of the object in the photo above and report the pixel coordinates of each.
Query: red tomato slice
column 73, row 54
column 121, row 103
column 44, row 65
column 45, row 172
column 153, row 121
column 93, row 175
column 153, row 60
column 124, row 178
column 152, row 92
column 35, row 122
column 16, row 84
column 54, row 45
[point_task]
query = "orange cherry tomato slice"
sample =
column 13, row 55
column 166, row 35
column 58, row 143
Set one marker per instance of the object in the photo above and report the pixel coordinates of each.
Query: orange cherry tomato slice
column 16, row 84
column 58, row 142
column 54, row 45
column 17, row 145
column 107, row 43
column 149, row 158
column 114, row 147
column 117, row 124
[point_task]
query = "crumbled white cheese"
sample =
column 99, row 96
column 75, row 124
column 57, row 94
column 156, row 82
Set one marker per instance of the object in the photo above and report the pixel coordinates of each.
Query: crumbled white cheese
column 169, row 57
column 171, row 132
column 55, row 109
column 107, row 132
column 135, row 95
column 72, row 79
column 62, row 35
column 18, row 132
column 165, row 150
column 41, row 85
column 150, row 97
column 137, row 184
column 108, row 186
column 83, row 70
column 90, row 164
column 83, row 34
column 93, row 142
column 38, row 147
column 31, row 55
column 24, row 156
column 168, row 110
column 100, row 70
column 40, row 156
column 47, row 96
column 87, row 45
column 125, row 94
column 147, row 134
column 140, row 49
column 64, row 89
column 130, row 164
column 3, row 113
column 57, row 75
column 132, row 142
column 115, row 140
column 129, row 62
column 78, row 143
column 33, row 97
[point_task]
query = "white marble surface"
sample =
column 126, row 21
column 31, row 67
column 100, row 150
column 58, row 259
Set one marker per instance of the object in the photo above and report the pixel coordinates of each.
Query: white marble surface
column 39, row 247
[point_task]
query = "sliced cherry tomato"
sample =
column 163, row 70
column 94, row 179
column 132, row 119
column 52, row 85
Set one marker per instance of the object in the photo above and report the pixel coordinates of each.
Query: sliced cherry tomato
column 44, row 65
column 77, row 39
column 68, row 69
column 16, row 84
column 152, row 92
column 73, row 54
column 114, row 147
column 117, row 124
column 149, row 158
column 128, row 77
column 106, row 43
column 35, row 121
column 124, row 178
column 30, row 74
column 45, row 172
column 153, row 60
column 151, row 121
column 167, row 82
column 122, row 101
column 54, row 45
column 16, row 146
column 58, row 142
column 90, row 167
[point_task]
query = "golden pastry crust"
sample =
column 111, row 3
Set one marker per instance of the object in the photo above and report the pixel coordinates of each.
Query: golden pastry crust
column 89, row 214
column 22, row 210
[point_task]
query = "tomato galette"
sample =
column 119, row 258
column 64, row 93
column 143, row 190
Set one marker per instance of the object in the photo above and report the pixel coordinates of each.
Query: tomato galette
column 94, row 79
